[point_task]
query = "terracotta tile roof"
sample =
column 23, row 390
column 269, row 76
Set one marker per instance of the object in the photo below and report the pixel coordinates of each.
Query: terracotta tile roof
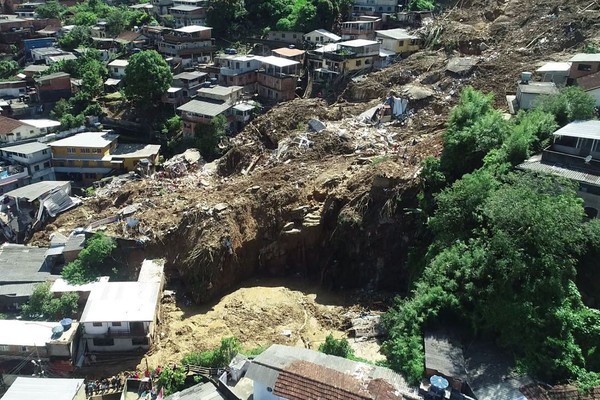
column 303, row 380
column 287, row 52
column 129, row 36
column 8, row 125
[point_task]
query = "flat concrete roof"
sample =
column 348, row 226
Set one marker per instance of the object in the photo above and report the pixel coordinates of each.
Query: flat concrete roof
column 43, row 388
column 87, row 139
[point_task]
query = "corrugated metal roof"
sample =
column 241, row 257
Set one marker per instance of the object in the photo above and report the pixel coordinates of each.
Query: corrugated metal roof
column 442, row 354
column 580, row 129
column 43, row 388
column 25, row 264
column 537, row 166
column 210, row 109
column 27, row 148
column 122, row 301
column 201, row 391
column 586, row 57
column 397, row 34
column 36, row 190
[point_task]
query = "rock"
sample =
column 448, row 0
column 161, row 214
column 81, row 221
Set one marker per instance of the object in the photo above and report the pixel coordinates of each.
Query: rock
column 461, row 65
column 316, row 125
column 220, row 207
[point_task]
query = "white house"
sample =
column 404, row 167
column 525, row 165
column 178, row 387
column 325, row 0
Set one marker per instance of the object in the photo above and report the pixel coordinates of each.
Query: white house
column 12, row 130
column 46, row 388
column 117, row 68
column 320, row 36
column 121, row 316
column 34, row 156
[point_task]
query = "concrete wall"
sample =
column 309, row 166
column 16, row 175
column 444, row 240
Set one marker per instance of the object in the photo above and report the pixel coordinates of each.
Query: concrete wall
column 261, row 392
column 120, row 344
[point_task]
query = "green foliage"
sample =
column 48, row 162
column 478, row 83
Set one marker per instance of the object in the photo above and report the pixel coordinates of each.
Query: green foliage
column 421, row 5
column 8, row 68
column 50, row 9
column 90, row 191
column 590, row 48
column 208, row 137
column 70, row 121
column 86, row 268
column 571, row 104
column 139, row 88
column 43, row 305
column 220, row 357
column 171, row 127
column 79, row 36
column 172, row 380
column 335, row 347
column 225, row 17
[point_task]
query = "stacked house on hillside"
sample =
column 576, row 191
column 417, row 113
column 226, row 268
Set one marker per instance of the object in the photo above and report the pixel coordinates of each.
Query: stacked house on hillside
column 188, row 45
column 87, row 157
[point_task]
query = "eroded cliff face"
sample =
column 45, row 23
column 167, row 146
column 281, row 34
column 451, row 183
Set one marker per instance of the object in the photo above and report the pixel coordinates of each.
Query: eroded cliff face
column 344, row 230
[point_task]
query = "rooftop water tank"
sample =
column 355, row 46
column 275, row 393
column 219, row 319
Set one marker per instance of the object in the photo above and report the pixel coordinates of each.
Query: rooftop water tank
column 526, row 77
column 66, row 323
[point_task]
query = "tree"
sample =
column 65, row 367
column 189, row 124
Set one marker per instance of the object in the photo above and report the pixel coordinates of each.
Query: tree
column 8, row 68
column 570, row 104
column 335, row 347
column 147, row 78
column 43, row 305
column 116, row 22
column 50, row 9
column 218, row 358
column 84, row 18
column 421, row 5
column 79, row 36
column 225, row 17
column 86, row 267
column 209, row 136
column 171, row 380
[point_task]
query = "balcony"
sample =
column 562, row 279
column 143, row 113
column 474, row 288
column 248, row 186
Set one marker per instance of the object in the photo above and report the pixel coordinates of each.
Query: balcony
column 340, row 55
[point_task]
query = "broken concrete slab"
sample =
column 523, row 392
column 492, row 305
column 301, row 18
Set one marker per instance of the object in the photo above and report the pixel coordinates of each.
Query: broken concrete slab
column 416, row 92
column 461, row 65
column 316, row 125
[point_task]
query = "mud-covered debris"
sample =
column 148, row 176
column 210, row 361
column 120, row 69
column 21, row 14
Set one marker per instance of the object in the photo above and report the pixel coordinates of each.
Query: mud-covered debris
column 461, row 65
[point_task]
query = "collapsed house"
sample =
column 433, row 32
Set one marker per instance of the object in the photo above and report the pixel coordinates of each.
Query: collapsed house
column 26, row 209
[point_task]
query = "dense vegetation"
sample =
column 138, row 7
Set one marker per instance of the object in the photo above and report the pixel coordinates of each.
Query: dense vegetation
column 141, row 90
column 88, row 266
column 502, row 248
column 43, row 305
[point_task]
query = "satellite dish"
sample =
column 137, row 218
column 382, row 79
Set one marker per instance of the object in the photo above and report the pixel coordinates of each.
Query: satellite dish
column 588, row 159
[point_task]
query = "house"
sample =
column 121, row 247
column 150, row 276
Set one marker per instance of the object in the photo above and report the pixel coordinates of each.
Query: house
column 293, row 373
column 20, row 339
column 12, row 130
column 557, row 72
column 30, row 44
column 189, row 82
column 591, row 85
column 161, row 7
column 28, row 207
column 173, row 96
column 117, row 68
column 22, row 268
column 400, row 41
column 362, row 8
column 201, row 391
column 121, row 316
column 84, row 157
column 190, row 44
column 153, row 271
column 362, row 29
column 239, row 71
column 68, row 247
column 290, row 54
column 277, row 79
column 32, row 69
column 286, row 37
column 90, row 156
column 43, row 55
column 130, row 156
column 131, row 40
column 346, row 57
column 444, row 357
column 46, row 388
column 12, row 89
column 186, row 15
column 227, row 94
column 321, row 36
column 529, row 93
column 584, row 64
column 201, row 112
column 60, row 286
column 574, row 154
column 53, row 87
column 35, row 157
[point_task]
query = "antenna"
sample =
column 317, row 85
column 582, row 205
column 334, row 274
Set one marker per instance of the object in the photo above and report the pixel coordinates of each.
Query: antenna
column 588, row 159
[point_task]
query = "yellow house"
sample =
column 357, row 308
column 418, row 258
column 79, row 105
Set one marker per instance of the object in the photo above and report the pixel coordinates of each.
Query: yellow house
column 398, row 40
column 90, row 156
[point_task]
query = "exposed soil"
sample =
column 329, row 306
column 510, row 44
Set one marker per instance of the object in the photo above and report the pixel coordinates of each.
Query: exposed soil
column 259, row 313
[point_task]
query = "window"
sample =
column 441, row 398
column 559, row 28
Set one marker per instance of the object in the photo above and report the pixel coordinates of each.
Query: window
column 23, row 349
column 71, row 150
column 97, row 324
column 47, row 164
column 104, row 342
column 283, row 35
column 44, row 151
column 3, row 348
column 115, row 323
column 400, row 43
column 584, row 67
column 90, row 176
column 36, row 168
column 358, row 63
column 248, row 64
column 294, row 36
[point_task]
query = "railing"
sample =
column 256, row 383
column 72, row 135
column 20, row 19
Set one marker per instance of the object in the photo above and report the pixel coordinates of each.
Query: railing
column 571, row 161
